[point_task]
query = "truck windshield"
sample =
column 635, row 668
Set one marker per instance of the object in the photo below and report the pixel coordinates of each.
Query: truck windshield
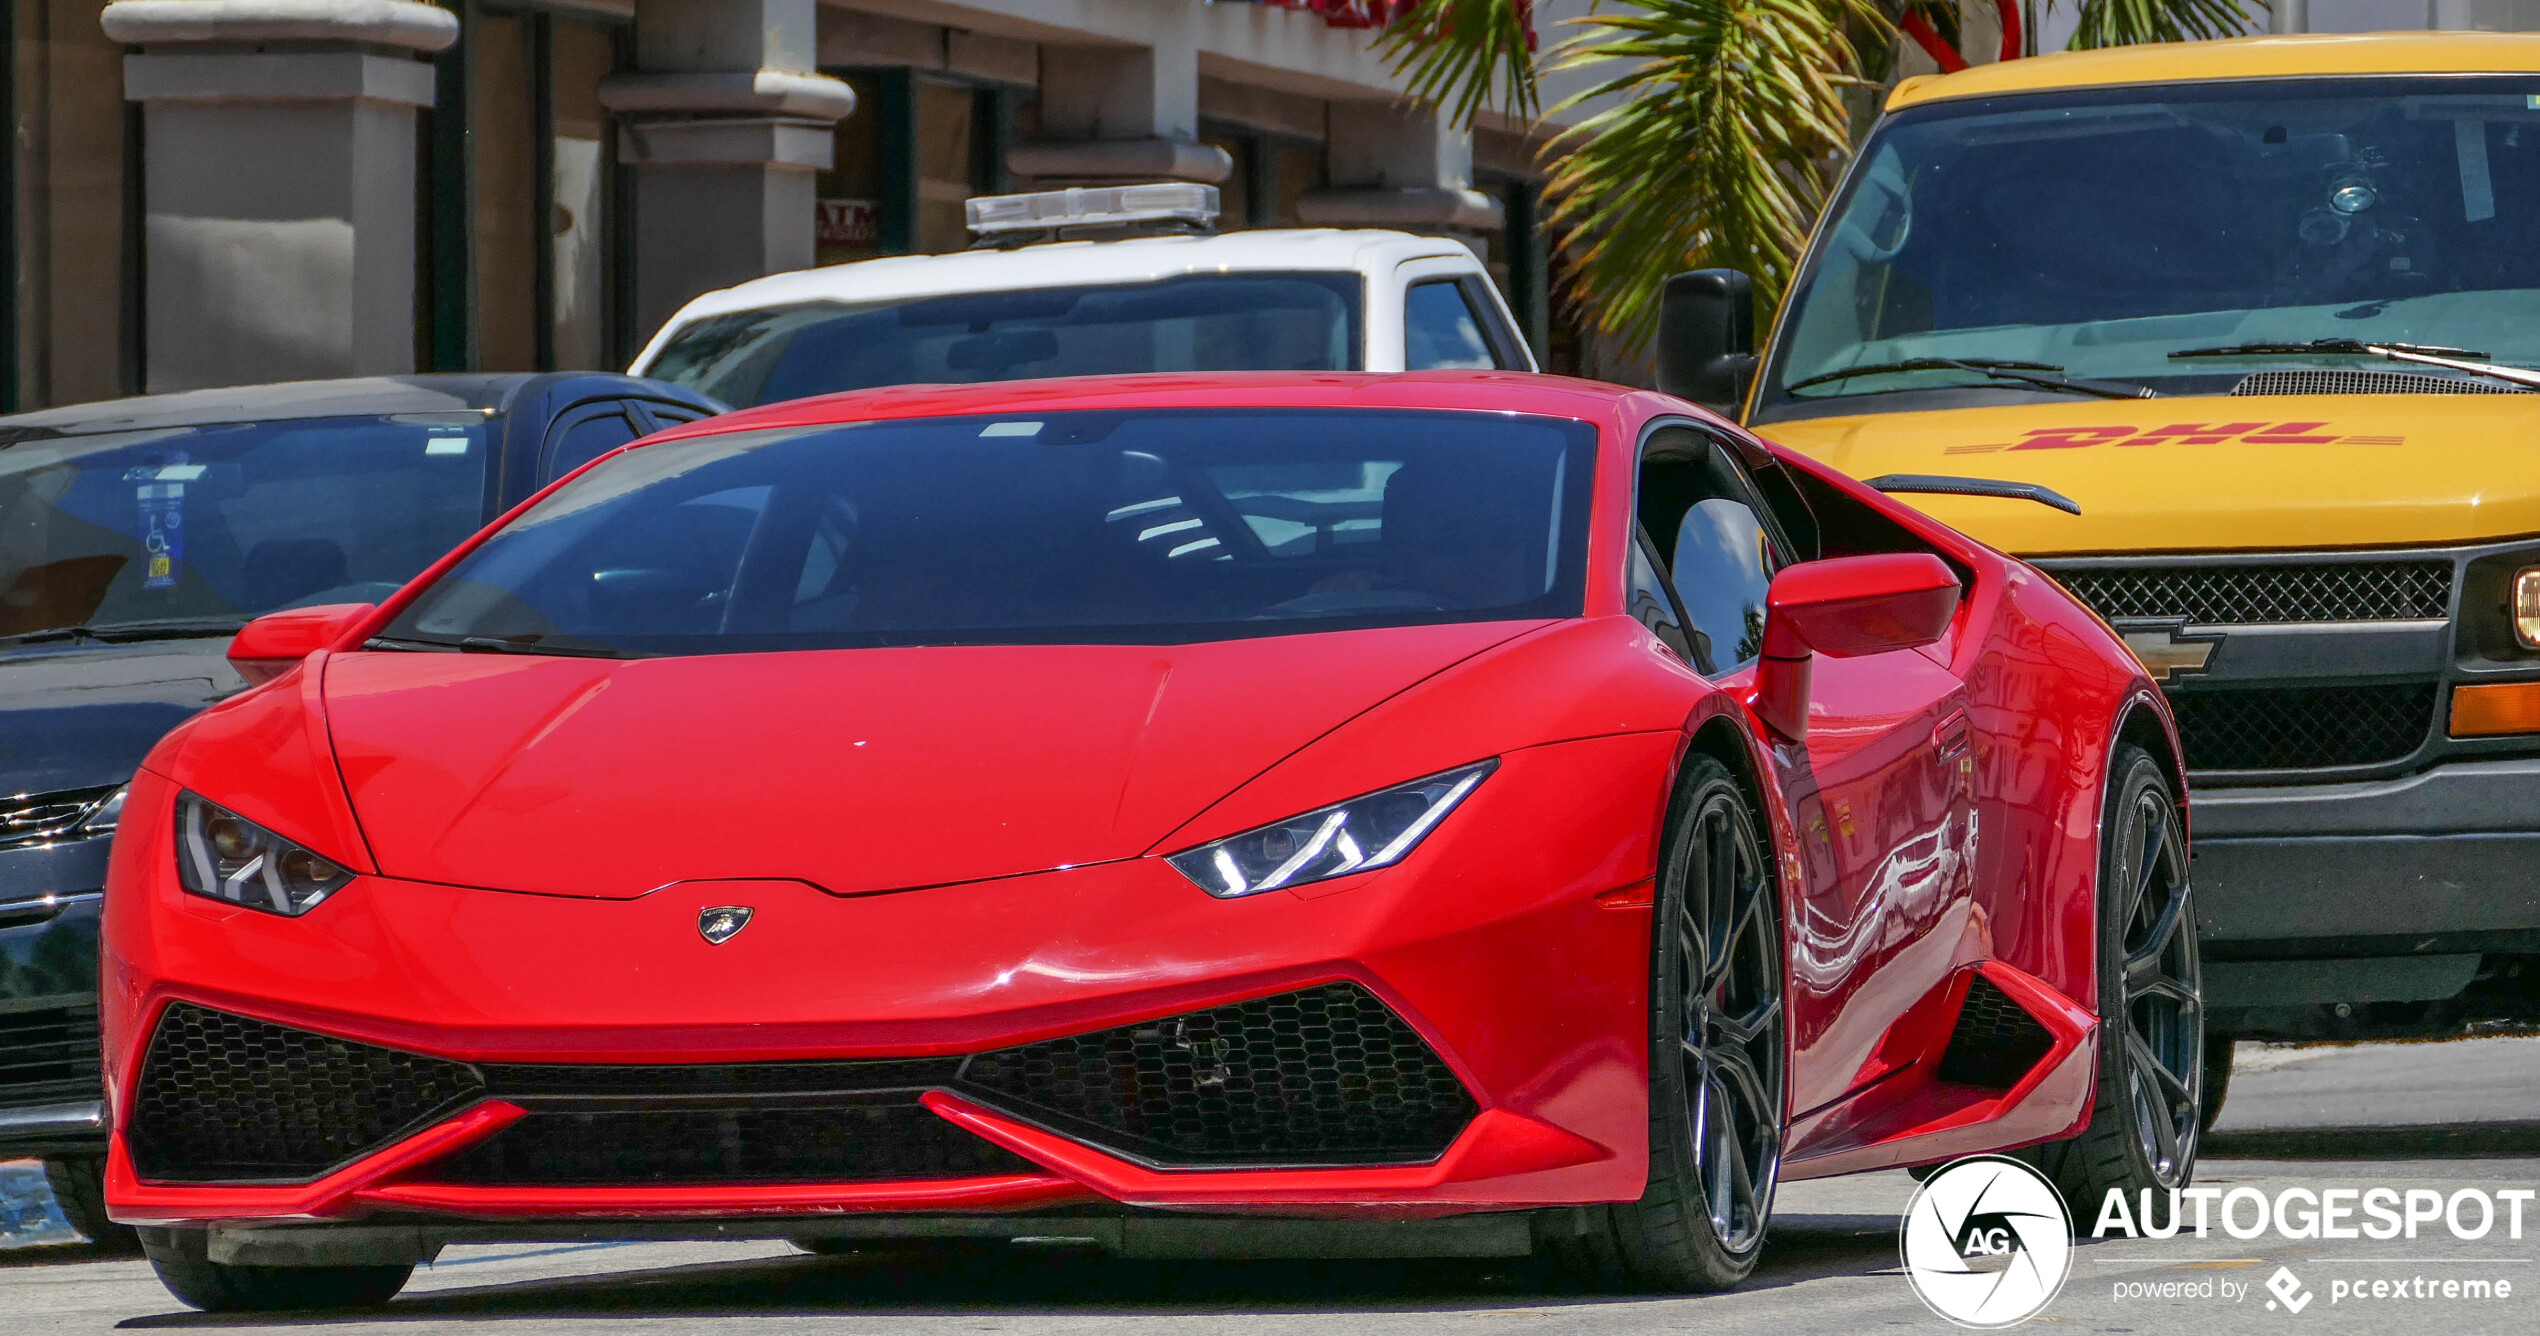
column 2099, row 233
column 191, row 530
column 1076, row 527
column 1208, row 322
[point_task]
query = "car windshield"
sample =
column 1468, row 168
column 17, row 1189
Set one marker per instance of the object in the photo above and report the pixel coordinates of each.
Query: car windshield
column 205, row 527
column 1077, row 527
column 1209, row 322
column 2096, row 233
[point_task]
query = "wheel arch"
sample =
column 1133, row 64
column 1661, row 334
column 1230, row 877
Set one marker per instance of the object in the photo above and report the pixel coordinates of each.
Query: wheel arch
column 2145, row 721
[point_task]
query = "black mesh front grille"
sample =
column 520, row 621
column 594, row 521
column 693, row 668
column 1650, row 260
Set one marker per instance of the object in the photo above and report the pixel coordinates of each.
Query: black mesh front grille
column 2303, row 728
column 228, row 1097
column 1323, row 1076
column 2367, row 382
column 1995, row 1042
column 2349, row 591
column 524, row 1080
column 48, row 1054
column 828, row 1141
column 35, row 818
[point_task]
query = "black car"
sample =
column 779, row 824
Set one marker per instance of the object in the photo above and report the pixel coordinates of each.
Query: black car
column 135, row 536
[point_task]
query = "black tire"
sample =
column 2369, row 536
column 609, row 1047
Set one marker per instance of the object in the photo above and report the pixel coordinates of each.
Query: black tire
column 1718, row 1055
column 2217, row 1086
column 2146, row 1116
column 79, row 1188
column 216, row 1287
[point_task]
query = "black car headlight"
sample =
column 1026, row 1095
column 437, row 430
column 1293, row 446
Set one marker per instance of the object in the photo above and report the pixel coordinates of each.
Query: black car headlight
column 1356, row 836
column 221, row 855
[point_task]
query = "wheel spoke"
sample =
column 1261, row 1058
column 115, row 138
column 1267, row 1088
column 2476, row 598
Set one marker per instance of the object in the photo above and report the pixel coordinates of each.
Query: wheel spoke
column 1744, row 1029
column 2149, row 1064
column 2158, row 1118
column 1732, row 1064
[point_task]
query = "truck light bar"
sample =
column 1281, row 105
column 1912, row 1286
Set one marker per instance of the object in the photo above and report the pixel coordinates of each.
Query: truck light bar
column 1093, row 206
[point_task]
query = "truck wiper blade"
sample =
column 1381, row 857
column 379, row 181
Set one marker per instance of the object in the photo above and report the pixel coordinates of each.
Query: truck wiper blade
column 2037, row 374
column 2423, row 353
column 119, row 633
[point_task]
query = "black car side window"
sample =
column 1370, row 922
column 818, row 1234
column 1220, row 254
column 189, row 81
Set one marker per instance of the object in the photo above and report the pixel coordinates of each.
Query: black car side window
column 581, row 438
column 1653, row 604
column 1707, row 524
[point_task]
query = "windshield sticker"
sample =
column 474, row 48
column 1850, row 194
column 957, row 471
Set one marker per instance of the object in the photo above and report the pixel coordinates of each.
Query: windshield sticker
column 162, row 531
column 2478, row 189
column 2178, row 433
column 181, row 472
column 1011, row 429
column 445, row 441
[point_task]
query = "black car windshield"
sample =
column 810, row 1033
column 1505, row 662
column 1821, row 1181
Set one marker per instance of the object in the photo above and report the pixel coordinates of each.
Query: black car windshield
column 1209, row 322
column 1039, row 528
column 2098, row 232
column 209, row 526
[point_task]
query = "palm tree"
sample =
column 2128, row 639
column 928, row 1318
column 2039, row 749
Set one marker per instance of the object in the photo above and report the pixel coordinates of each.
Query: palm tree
column 1729, row 119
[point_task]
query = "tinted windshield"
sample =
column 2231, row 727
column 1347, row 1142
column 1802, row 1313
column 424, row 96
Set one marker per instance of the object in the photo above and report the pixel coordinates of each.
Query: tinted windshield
column 1242, row 322
column 2101, row 231
column 220, row 524
column 1151, row 528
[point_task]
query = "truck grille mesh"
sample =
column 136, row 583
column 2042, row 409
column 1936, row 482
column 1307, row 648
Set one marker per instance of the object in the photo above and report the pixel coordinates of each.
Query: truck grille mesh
column 2367, row 382
column 48, row 1054
column 1325, row 1075
column 2303, row 728
column 2348, row 591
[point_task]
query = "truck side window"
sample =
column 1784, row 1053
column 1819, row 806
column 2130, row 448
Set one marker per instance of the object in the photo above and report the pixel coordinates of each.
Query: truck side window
column 1706, row 522
column 584, row 437
column 1440, row 330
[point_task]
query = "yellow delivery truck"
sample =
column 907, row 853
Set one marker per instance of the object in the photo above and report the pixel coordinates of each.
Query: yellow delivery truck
column 2235, row 340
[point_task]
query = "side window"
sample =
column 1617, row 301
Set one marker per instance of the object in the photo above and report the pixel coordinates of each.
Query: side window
column 1440, row 331
column 1655, row 607
column 1705, row 521
column 662, row 416
column 582, row 437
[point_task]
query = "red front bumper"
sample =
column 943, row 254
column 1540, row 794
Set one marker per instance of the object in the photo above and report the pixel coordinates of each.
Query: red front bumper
column 1491, row 942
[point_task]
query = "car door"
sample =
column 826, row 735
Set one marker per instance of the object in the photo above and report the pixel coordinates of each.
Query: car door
column 1879, row 789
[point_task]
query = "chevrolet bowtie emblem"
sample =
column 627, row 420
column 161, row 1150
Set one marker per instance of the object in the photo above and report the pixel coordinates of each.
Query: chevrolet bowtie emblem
column 722, row 923
column 2167, row 651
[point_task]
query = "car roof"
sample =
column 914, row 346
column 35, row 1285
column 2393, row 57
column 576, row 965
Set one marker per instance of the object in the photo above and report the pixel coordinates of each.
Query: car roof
column 445, row 392
column 1075, row 264
column 2298, row 56
column 1470, row 391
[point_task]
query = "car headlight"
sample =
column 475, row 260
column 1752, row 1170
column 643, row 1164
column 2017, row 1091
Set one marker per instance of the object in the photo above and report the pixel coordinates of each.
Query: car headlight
column 1363, row 833
column 102, row 818
column 223, row 856
column 2527, row 607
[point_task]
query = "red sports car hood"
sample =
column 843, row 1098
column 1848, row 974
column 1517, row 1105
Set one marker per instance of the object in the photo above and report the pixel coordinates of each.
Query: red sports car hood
column 855, row 770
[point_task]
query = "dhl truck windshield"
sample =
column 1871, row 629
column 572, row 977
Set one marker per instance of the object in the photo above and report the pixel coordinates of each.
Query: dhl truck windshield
column 2150, row 236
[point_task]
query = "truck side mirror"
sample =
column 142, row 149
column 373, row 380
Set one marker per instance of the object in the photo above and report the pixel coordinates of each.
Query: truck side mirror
column 1706, row 337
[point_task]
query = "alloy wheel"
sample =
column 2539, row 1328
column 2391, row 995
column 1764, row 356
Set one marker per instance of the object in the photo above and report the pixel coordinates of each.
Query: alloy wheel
column 1729, row 982
column 2164, row 1033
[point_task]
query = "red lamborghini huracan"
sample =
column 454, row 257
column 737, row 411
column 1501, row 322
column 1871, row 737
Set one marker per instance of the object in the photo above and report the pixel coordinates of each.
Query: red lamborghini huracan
column 1232, row 816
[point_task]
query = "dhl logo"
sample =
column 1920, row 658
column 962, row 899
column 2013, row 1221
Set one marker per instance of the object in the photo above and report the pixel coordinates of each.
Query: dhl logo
column 2178, row 433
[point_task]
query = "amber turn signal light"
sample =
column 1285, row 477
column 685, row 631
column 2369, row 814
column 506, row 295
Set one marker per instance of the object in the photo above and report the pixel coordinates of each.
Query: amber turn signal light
column 2494, row 709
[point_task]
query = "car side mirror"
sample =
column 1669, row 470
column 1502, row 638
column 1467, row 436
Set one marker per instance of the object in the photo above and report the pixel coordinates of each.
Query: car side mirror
column 1845, row 607
column 273, row 644
column 1706, row 337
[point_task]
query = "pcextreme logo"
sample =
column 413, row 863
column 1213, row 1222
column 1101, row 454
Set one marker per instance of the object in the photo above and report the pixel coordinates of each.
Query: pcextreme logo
column 2179, row 433
column 1987, row 1242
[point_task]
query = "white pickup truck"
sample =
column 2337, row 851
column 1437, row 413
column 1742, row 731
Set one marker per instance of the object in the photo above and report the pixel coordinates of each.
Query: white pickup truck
column 1037, row 298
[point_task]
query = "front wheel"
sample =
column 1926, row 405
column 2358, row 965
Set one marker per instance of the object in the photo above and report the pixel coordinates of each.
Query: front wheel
column 1717, row 1061
column 2149, row 1109
column 79, row 1188
column 178, row 1255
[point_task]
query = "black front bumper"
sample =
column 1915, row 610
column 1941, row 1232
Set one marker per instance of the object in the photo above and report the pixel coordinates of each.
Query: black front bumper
column 51, row 1101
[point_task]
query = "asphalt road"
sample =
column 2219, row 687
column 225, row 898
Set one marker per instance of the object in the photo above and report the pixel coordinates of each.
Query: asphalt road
column 2441, row 1117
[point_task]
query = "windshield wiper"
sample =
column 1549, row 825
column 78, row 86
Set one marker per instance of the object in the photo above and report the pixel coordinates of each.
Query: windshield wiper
column 124, row 633
column 2037, row 374
column 2427, row 354
column 530, row 644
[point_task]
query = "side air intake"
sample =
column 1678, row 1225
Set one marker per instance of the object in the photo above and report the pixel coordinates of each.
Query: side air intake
column 1995, row 1042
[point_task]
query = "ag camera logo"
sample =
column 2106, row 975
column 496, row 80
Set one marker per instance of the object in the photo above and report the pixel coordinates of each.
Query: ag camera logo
column 1987, row 1242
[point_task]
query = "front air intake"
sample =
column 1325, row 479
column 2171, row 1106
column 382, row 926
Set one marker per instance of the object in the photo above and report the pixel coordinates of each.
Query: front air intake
column 1327, row 1075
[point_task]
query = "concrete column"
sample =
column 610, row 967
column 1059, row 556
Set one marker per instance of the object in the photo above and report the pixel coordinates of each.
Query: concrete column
column 726, row 122
column 1114, row 115
column 279, row 170
column 1397, row 166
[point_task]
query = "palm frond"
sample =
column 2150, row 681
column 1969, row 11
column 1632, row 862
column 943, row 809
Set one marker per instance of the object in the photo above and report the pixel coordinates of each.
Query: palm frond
column 1727, row 118
column 2136, row 22
column 1465, row 55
